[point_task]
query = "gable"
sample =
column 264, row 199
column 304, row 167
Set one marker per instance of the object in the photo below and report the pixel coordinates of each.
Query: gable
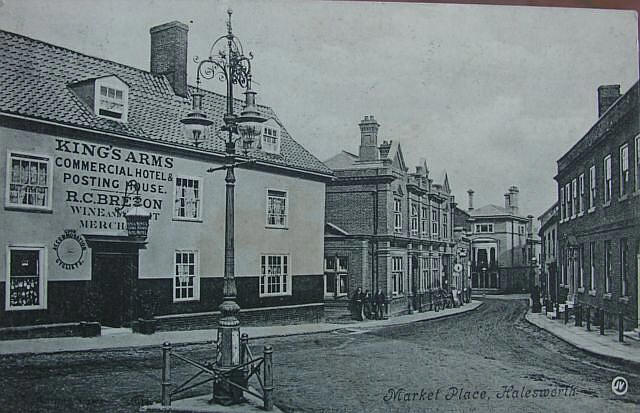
column 398, row 158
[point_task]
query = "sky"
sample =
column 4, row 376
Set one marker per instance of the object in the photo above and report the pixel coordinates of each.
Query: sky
column 493, row 94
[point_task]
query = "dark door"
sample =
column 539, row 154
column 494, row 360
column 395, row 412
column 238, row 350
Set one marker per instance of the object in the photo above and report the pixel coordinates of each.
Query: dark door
column 114, row 275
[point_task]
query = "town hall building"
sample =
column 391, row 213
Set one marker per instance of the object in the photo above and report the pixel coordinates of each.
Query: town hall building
column 386, row 228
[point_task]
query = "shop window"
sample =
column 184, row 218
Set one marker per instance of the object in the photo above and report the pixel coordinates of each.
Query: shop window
column 186, row 278
column 29, row 180
column 277, row 208
column 26, row 281
column 274, row 275
column 188, row 198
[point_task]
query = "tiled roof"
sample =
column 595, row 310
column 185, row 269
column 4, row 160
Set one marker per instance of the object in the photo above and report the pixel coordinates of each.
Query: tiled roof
column 34, row 79
column 490, row 210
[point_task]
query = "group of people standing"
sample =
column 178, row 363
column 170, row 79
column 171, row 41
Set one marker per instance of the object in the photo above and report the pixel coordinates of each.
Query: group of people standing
column 364, row 306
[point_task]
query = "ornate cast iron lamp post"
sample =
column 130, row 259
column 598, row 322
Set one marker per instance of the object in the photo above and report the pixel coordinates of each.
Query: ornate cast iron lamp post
column 228, row 63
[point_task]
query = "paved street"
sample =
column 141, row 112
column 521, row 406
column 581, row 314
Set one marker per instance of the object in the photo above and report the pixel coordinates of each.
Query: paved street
column 357, row 370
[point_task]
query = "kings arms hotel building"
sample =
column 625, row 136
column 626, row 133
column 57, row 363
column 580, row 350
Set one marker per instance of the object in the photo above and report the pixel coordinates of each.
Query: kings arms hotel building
column 74, row 129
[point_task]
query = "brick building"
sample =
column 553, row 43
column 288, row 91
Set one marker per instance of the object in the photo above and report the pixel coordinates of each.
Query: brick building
column 75, row 128
column 548, row 234
column 502, row 244
column 386, row 228
column 599, row 200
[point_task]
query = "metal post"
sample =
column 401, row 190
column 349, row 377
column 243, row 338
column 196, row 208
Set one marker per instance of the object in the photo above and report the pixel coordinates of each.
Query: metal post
column 166, row 373
column 579, row 315
column 588, row 318
column 566, row 313
column 214, row 349
column 602, row 321
column 244, row 353
column 268, row 377
column 620, row 327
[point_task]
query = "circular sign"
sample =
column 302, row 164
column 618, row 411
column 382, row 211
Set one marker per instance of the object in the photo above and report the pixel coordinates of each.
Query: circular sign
column 619, row 385
column 457, row 267
column 69, row 248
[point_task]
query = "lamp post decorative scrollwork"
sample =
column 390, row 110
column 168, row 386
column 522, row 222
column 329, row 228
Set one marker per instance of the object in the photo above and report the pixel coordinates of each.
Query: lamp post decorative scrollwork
column 228, row 63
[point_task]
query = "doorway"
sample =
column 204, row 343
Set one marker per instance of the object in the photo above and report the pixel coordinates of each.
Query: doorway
column 114, row 273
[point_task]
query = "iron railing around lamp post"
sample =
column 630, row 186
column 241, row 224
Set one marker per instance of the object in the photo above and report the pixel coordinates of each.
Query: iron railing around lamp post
column 228, row 63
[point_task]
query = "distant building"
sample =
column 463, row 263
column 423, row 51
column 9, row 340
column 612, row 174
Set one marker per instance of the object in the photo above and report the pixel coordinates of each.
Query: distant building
column 502, row 244
column 599, row 201
column 386, row 228
column 461, row 237
column 548, row 234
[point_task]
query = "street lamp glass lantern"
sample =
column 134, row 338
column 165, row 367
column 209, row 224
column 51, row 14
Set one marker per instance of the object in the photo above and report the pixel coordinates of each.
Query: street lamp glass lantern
column 250, row 120
column 196, row 121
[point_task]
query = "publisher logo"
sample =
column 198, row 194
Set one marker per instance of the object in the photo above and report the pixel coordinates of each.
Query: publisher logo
column 620, row 386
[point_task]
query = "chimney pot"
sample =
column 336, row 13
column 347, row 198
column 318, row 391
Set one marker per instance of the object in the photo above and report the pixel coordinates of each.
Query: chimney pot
column 169, row 54
column 470, row 192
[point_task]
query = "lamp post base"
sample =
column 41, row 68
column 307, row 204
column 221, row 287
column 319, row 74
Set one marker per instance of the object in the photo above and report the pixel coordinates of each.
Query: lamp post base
column 229, row 344
column 226, row 394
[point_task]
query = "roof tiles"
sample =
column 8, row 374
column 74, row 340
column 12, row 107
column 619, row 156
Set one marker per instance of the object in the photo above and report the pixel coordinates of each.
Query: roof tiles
column 34, row 79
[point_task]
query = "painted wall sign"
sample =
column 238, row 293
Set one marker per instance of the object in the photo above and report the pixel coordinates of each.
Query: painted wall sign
column 94, row 177
column 70, row 249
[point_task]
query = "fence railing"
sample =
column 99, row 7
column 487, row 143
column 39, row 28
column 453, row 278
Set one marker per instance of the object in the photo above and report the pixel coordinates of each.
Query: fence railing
column 210, row 371
column 589, row 313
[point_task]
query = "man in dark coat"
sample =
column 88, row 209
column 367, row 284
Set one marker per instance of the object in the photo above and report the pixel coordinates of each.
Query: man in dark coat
column 356, row 304
column 379, row 300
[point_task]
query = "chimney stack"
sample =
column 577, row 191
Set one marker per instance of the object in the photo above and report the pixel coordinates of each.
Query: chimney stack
column 529, row 226
column 169, row 54
column 369, row 139
column 507, row 201
column 470, row 193
column 607, row 94
column 513, row 199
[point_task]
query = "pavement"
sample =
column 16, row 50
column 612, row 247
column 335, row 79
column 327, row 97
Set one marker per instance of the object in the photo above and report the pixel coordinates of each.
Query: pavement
column 124, row 338
column 606, row 346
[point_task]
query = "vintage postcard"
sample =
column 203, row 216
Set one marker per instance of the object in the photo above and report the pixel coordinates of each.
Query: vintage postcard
column 319, row 206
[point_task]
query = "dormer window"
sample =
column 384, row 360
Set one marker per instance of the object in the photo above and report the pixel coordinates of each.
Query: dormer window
column 271, row 137
column 107, row 96
column 111, row 98
column 111, row 102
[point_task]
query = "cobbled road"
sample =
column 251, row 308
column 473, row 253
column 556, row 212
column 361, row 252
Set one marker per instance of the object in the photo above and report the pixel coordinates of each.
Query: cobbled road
column 490, row 359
